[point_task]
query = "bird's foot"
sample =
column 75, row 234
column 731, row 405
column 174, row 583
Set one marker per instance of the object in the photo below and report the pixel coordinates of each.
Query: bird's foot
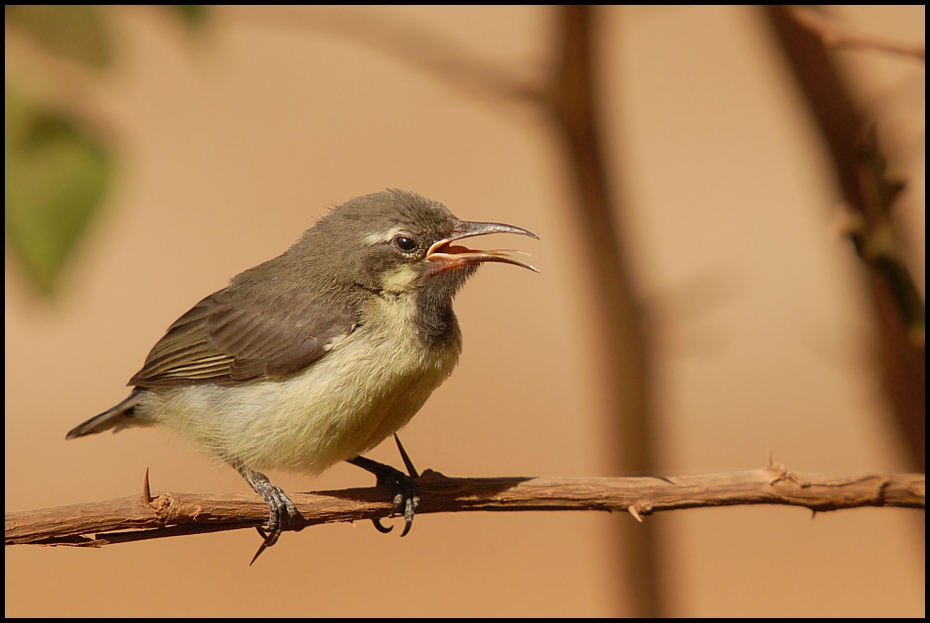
column 406, row 497
column 406, row 493
column 280, row 508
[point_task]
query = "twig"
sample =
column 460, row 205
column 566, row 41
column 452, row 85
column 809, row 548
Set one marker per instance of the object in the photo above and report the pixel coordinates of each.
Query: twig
column 129, row 518
column 834, row 36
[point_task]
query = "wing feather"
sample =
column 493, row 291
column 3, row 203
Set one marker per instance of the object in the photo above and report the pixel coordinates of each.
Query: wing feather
column 240, row 334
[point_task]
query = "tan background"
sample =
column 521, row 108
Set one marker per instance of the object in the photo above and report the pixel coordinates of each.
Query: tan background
column 233, row 146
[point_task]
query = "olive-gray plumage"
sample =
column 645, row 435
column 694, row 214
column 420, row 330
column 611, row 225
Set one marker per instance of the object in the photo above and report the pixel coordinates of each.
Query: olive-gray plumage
column 319, row 354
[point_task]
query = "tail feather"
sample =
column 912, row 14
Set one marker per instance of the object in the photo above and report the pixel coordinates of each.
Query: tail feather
column 116, row 418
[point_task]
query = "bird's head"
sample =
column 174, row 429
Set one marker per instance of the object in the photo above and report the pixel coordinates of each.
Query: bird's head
column 397, row 241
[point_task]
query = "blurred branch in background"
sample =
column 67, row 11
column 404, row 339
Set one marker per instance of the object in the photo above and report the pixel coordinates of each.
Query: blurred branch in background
column 868, row 193
column 834, row 35
column 143, row 517
column 626, row 363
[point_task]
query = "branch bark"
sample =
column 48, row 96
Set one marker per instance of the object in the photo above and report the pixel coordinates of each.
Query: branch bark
column 142, row 517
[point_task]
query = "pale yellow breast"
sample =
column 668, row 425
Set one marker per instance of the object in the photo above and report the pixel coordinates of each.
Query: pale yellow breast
column 368, row 387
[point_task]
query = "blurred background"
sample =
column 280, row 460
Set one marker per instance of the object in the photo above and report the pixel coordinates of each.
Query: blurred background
column 201, row 143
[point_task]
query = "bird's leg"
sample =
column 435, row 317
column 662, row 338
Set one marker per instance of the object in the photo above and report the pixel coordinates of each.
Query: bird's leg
column 280, row 507
column 403, row 486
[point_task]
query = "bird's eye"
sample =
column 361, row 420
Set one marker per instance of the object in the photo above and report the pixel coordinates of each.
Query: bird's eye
column 405, row 243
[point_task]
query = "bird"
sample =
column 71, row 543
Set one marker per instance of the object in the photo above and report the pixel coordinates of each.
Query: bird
column 318, row 355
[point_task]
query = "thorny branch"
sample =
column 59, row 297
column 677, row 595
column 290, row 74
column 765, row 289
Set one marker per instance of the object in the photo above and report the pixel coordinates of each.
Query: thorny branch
column 148, row 516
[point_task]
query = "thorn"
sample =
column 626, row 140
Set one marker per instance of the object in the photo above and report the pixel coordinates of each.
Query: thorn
column 146, row 491
column 771, row 459
column 635, row 512
column 813, row 514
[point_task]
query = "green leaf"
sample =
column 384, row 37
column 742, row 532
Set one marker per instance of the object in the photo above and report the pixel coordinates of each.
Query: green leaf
column 56, row 175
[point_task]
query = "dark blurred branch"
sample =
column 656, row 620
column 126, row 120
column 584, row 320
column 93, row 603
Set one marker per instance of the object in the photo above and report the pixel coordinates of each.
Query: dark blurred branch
column 836, row 36
column 868, row 195
column 572, row 101
column 142, row 517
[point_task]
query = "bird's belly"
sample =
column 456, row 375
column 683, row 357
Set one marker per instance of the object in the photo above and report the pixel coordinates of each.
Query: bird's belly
column 341, row 406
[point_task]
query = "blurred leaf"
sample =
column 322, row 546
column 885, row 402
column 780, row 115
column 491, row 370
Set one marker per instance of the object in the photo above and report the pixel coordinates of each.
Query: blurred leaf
column 194, row 15
column 76, row 32
column 55, row 178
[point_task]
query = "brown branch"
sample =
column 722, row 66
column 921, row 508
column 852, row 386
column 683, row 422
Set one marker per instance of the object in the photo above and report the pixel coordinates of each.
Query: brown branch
column 137, row 518
column 835, row 36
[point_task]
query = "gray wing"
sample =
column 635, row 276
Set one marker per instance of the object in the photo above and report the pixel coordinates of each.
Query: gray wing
column 239, row 334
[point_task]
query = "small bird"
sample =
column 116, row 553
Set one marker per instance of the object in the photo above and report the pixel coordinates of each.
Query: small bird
column 318, row 355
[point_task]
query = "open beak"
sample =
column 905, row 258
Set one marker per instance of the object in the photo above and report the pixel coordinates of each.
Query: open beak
column 448, row 255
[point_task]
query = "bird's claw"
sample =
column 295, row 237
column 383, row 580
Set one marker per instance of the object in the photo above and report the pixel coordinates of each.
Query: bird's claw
column 406, row 497
column 411, row 500
column 406, row 500
column 403, row 487
column 281, row 510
